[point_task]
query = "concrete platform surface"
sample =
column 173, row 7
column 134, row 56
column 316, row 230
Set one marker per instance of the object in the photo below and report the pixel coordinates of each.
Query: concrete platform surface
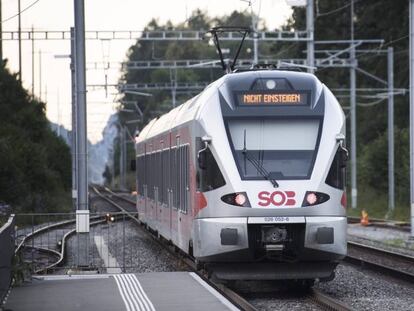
column 172, row 291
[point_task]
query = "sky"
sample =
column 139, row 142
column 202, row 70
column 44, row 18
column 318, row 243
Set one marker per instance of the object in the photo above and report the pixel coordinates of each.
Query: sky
column 51, row 64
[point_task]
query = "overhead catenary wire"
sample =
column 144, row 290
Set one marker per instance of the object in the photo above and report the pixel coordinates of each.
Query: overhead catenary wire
column 318, row 14
column 370, row 104
column 21, row 11
column 369, row 54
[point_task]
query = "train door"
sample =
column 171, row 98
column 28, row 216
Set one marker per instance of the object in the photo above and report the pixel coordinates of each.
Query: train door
column 169, row 192
column 163, row 209
column 151, row 191
column 140, row 171
column 184, row 219
column 175, row 179
column 162, row 217
column 156, row 172
column 145, row 187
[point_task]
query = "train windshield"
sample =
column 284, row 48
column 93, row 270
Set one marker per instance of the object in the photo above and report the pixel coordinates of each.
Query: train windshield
column 284, row 149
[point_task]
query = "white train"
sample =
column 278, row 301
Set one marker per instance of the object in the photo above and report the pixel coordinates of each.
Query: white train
column 249, row 176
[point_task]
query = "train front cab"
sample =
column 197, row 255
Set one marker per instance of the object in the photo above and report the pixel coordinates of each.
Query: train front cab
column 276, row 210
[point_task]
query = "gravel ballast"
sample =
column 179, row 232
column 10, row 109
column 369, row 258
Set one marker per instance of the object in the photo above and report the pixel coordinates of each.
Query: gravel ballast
column 365, row 290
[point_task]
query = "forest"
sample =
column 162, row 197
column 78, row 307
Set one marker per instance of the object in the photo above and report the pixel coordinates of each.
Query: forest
column 35, row 164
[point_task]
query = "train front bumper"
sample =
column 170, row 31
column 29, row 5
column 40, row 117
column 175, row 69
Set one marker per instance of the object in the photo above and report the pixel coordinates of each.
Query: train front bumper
column 278, row 239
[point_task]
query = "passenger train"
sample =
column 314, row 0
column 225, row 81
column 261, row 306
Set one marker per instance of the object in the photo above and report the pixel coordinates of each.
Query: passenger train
column 248, row 177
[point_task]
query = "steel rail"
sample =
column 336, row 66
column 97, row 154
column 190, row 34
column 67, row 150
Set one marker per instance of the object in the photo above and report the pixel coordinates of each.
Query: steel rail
column 63, row 247
column 41, row 230
column 378, row 267
column 129, row 214
column 60, row 254
column 326, row 302
column 46, row 228
column 49, row 251
column 119, row 196
column 354, row 219
column 382, row 223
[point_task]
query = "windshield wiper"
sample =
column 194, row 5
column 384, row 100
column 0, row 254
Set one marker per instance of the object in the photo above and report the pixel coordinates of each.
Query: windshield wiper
column 257, row 165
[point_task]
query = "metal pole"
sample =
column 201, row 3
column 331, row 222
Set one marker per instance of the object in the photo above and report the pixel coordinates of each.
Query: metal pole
column 412, row 115
column 113, row 170
column 20, row 40
column 40, row 75
column 58, row 113
column 354, row 192
column 1, row 34
column 82, row 212
column 33, row 62
column 81, row 105
column 391, row 197
column 121, row 158
column 173, row 94
column 311, row 39
column 74, row 138
column 173, row 77
column 255, row 40
column 124, row 146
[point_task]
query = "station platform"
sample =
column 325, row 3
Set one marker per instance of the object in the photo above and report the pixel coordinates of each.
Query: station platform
column 172, row 291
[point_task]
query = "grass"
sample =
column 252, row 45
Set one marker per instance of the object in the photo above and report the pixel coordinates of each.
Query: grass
column 377, row 206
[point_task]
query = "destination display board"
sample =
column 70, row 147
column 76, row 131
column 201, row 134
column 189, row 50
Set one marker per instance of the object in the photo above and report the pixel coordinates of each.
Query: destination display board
column 272, row 98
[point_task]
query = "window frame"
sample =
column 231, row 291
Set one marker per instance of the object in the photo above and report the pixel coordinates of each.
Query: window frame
column 316, row 150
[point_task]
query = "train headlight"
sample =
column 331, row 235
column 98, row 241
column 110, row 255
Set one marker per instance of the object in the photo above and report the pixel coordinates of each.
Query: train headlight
column 311, row 198
column 238, row 199
column 314, row 198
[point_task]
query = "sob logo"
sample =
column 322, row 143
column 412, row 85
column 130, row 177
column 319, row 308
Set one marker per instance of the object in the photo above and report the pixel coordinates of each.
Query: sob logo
column 277, row 198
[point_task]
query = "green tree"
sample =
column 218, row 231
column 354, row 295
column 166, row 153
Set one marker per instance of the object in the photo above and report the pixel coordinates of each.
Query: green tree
column 35, row 173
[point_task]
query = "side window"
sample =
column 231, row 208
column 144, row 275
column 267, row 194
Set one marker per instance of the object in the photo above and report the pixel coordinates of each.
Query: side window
column 184, row 178
column 336, row 175
column 158, row 171
column 168, row 166
column 164, row 181
column 209, row 177
column 175, row 177
column 146, row 178
column 140, row 174
column 151, row 183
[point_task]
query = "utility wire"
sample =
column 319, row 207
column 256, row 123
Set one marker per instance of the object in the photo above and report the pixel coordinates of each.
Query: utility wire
column 374, row 103
column 364, row 56
column 21, row 11
column 370, row 54
column 318, row 14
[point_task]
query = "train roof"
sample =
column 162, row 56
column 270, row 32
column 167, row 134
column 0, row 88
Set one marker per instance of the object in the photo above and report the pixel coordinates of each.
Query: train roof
column 246, row 80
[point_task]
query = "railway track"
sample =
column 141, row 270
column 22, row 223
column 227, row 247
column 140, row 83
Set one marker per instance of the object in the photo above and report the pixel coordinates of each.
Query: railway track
column 382, row 223
column 381, row 261
column 26, row 241
column 59, row 254
column 314, row 296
